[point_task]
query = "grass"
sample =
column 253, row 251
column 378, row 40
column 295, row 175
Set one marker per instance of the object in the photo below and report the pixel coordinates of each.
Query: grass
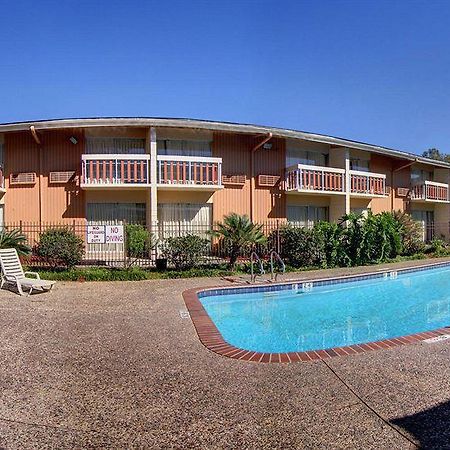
column 138, row 274
column 128, row 274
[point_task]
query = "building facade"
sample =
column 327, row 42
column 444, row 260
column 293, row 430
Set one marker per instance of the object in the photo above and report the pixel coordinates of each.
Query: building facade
column 169, row 171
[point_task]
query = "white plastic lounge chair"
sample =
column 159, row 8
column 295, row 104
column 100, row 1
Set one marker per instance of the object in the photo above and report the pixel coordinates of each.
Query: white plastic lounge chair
column 12, row 273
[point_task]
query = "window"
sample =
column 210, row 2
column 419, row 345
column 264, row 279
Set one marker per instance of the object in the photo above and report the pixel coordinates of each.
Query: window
column 107, row 145
column 307, row 216
column 426, row 220
column 363, row 211
column 184, row 148
column 116, row 212
column 361, row 165
column 419, row 175
column 180, row 218
column 299, row 156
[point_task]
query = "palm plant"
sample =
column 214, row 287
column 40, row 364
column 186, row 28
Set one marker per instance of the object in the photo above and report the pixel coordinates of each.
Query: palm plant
column 239, row 234
column 14, row 239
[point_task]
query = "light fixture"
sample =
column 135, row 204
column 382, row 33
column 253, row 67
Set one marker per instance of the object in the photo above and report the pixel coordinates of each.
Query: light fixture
column 73, row 139
column 267, row 146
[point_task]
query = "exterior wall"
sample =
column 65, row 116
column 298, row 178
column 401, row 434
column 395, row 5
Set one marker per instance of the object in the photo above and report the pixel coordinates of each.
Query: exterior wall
column 365, row 203
column 337, row 207
column 185, row 197
column 381, row 164
column 66, row 202
column 116, row 196
column 234, row 150
column 270, row 202
column 43, row 201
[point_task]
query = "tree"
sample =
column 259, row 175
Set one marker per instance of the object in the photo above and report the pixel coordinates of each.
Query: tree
column 239, row 234
column 14, row 239
column 434, row 153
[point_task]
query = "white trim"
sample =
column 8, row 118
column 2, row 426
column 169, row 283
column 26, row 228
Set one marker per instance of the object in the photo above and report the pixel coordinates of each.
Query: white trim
column 316, row 168
column 434, row 183
column 367, row 174
column 114, row 185
column 190, row 186
column 313, row 191
column 111, row 156
column 189, row 158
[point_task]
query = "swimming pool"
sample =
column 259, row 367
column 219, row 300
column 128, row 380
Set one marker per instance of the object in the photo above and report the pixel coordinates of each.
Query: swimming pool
column 302, row 317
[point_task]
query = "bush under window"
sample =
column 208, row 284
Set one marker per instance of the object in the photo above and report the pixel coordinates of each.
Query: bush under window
column 60, row 247
column 185, row 252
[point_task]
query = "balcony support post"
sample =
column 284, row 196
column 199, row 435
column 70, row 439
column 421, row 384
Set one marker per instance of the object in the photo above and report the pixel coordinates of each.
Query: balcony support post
column 347, row 180
column 152, row 173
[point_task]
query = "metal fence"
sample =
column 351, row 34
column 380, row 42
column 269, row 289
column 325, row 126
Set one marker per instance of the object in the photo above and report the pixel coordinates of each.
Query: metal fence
column 101, row 249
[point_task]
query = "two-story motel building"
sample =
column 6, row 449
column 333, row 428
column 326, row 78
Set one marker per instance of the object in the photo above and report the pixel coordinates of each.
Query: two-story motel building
column 194, row 171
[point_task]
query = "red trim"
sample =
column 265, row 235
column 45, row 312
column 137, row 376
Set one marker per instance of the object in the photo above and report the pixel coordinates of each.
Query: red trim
column 211, row 338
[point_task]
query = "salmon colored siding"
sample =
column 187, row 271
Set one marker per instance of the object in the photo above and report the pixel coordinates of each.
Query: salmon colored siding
column 59, row 202
column 382, row 164
column 21, row 154
column 49, row 202
column 270, row 202
column 234, row 150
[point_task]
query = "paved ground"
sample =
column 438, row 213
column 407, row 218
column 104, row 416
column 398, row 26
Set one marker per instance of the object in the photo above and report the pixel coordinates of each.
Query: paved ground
column 113, row 365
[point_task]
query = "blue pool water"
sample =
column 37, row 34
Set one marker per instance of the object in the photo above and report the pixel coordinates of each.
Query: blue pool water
column 333, row 315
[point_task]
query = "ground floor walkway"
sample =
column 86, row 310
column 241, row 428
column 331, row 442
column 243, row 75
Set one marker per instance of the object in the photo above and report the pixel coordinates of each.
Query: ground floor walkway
column 116, row 365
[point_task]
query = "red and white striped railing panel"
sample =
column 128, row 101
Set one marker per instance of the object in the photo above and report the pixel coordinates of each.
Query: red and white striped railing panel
column 430, row 190
column 115, row 170
column 367, row 183
column 302, row 177
column 189, row 170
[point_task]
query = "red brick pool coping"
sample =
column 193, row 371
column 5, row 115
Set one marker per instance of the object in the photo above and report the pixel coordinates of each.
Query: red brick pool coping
column 212, row 339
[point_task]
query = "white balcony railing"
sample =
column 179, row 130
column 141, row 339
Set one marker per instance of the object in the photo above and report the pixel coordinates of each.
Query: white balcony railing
column 302, row 177
column 115, row 170
column 430, row 191
column 189, row 171
column 367, row 183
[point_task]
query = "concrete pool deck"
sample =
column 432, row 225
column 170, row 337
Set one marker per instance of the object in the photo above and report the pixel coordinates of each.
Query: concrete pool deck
column 116, row 365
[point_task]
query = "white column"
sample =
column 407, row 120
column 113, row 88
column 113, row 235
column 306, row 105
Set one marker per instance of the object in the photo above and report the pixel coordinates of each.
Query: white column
column 347, row 180
column 153, row 177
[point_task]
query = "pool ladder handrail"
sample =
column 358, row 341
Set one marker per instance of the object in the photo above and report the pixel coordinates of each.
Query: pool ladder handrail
column 273, row 274
column 255, row 258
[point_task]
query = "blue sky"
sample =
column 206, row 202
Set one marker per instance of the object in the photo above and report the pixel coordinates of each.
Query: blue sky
column 375, row 71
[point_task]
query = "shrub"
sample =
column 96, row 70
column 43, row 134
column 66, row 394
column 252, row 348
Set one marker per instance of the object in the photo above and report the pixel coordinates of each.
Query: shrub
column 438, row 247
column 300, row 246
column 372, row 239
column 239, row 235
column 328, row 241
column 411, row 234
column 139, row 241
column 60, row 247
column 184, row 252
column 14, row 239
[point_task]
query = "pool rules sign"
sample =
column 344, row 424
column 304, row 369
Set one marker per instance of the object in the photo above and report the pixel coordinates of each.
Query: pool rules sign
column 105, row 234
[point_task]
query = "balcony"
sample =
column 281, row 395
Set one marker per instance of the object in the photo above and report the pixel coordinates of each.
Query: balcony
column 303, row 178
column 115, row 171
column 367, row 184
column 430, row 191
column 189, row 172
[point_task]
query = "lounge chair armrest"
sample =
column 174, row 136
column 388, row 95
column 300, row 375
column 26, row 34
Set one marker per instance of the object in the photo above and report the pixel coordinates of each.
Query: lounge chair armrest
column 10, row 277
column 33, row 273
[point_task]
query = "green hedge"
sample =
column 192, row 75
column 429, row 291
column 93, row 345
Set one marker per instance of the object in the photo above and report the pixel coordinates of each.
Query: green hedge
column 128, row 274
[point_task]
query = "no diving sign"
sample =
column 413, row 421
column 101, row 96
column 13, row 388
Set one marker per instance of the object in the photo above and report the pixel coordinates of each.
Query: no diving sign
column 105, row 234
column 114, row 234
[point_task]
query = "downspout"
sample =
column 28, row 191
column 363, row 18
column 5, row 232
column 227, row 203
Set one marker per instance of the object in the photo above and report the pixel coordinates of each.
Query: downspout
column 38, row 142
column 252, row 174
